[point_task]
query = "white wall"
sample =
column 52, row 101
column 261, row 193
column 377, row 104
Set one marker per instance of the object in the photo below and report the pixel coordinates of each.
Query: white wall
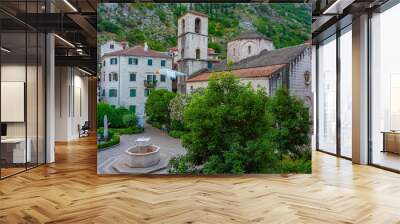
column 105, row 48
column 123, row 85
column 71, row 102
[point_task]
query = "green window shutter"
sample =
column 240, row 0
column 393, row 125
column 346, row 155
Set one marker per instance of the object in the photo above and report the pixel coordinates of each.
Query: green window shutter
column 132, row 108
column 150, row 62
column 112, row 93
column 133, row 92
column 162, row 63
column 162, row 78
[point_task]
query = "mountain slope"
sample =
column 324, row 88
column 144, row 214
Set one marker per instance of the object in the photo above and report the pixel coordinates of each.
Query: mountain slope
column 286, row 24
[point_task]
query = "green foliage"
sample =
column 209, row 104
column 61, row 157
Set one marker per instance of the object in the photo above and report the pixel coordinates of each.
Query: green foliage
column 217, row 47
column 113, row 138
column 176, row 133
column 108, row 26
column 231, row 128
column 117, row 117
column 135, row 36
column 182, row 164
column 113, row 141
column 291, row 123
column 157, row 107
column 226, row 118
column 289, row 165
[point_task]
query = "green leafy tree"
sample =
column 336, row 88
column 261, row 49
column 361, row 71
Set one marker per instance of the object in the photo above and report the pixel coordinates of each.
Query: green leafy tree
column 157, row 107
column 291, row 124
column 222, row 123
column 117, row 117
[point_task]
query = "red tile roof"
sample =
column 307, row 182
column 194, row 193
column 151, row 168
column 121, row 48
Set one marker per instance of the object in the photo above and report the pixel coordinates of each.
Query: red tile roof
column 256, row 72
column 138, row 50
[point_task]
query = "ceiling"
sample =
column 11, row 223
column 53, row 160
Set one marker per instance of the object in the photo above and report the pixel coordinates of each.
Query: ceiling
column 330, row 13
column 74, row 22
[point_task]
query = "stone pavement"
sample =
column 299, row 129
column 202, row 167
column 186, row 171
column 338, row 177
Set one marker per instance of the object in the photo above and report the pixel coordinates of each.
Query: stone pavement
column 169, row 147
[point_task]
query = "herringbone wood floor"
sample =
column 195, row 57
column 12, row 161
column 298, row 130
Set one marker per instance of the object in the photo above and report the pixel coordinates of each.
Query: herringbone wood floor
column 70, row 191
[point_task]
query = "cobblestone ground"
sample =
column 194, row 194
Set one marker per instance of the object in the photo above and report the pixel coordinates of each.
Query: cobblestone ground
column 169, row 147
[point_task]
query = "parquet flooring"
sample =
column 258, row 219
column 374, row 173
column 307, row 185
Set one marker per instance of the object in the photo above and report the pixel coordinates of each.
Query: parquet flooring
column 70, row 191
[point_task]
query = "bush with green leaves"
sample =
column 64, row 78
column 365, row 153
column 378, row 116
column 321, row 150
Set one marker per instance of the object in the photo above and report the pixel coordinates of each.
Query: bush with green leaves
column 290, row 123
column 117, row 117
column 232, row 128
column 157, row 107
column 221, row 123
column 113, row 138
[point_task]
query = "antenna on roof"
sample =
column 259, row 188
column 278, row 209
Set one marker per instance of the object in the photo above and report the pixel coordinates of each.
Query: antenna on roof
column 146, row 47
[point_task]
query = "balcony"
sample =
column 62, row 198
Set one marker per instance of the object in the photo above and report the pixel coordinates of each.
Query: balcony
column 150, row 83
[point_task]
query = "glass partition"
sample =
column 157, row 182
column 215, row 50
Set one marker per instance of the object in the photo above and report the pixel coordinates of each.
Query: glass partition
column 22, row 90
column 13, row 86
column 385, row 89
column 327, row 95
column 346, row 92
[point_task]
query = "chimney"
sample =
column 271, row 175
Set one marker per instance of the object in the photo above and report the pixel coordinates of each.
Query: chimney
column 124, row 44
column 145, row 46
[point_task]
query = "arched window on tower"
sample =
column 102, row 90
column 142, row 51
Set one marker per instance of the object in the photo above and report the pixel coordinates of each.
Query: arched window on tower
column 182, row 53
column 197, row 25
column 249, row 49
column 183, row 25
column 234, row 51
column 197, row 53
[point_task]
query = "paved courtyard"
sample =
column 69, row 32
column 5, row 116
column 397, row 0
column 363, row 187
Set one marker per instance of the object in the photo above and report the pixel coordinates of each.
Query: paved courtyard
column 169, row 147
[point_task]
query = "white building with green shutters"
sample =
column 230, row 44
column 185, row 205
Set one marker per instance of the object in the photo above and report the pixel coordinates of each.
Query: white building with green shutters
column 129, row 75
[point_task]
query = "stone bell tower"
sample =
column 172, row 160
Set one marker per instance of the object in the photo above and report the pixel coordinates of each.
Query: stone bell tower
column 192, row 42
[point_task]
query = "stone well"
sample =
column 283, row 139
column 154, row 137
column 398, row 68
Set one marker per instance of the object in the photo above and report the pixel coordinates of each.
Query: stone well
column 143, row 154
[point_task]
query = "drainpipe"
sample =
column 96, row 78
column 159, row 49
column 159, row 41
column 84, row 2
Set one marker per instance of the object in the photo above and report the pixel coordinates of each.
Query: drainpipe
column 119, row 80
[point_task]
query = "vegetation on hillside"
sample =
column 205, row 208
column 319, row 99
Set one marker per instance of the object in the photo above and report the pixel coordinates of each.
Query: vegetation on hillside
column 286, row 24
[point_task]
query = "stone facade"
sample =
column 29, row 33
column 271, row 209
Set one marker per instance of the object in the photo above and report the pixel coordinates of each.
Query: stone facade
column 300, row 78
column 123, row 83
column 242, row 48
column 192, row 42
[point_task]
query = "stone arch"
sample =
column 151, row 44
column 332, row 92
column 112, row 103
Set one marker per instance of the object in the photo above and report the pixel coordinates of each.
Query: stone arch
column 245, row 46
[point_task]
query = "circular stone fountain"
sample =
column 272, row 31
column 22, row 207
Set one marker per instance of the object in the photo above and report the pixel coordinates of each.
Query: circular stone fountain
column 143, row 154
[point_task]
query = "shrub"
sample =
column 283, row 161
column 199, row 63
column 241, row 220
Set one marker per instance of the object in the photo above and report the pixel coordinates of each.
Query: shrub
column 222, row 122
column 291, row 124
column 176, row 133
column 113, row 141
column 232, row 128
column 157, row 107
column 182, row 164
column 129, row 119
column 117, row 117
column 103, row 109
